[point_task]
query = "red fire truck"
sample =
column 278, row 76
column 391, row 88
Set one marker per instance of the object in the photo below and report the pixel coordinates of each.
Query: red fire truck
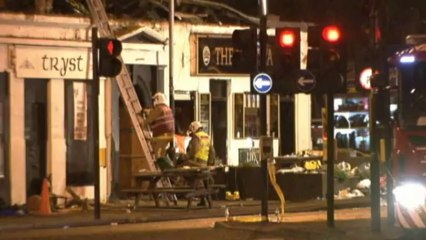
column 408, row 105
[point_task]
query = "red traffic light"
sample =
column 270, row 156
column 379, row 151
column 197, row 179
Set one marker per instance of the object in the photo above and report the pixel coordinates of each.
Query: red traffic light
column 110, row 46
column 331, row 34
column 109, row 62
column 287, row 38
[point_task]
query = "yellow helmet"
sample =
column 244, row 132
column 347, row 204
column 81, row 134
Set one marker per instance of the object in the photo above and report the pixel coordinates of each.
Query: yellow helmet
column 158, row 98
column 194, row 126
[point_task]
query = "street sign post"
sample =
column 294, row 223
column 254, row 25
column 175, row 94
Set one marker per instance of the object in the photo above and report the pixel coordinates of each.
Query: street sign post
column 262, row 83
column 306, row 81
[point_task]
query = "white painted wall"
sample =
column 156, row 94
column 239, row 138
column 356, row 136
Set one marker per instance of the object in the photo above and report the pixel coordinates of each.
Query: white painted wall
column 17, row 140
column 56, row 147
column 302, row 122
column 15, row 25
column 301, row 103
column 4, row 56
column 102, row 143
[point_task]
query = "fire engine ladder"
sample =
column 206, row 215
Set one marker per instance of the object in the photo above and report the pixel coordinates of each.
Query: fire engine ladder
column 127, row 90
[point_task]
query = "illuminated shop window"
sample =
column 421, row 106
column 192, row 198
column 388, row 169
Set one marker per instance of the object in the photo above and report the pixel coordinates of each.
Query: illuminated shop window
column 247, row 115
column 274, row 114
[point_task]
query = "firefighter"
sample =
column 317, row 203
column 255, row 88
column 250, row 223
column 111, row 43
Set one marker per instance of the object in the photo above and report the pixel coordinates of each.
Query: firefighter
column 200, row 151
column 162, row 124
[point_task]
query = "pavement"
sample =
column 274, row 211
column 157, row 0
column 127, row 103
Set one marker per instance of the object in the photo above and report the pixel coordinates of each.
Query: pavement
column 309, row 228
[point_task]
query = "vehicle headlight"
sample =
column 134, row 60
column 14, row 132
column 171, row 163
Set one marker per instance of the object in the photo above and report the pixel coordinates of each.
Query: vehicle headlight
column 410, row 195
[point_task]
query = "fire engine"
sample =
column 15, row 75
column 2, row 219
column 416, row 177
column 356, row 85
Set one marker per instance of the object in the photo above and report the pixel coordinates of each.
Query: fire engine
column 408, row 158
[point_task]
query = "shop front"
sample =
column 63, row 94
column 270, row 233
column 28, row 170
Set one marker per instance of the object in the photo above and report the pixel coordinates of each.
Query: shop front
column 45, row 129
column 226, row 107
column 56, row 139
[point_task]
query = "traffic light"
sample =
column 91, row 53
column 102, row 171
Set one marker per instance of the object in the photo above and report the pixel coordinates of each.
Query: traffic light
column 327, row 58
column 109, row 51
column 244, row 58
column 286, row 57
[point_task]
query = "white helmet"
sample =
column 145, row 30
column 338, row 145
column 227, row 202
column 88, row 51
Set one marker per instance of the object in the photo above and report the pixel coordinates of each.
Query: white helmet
column 194, row 126
column 158, row 98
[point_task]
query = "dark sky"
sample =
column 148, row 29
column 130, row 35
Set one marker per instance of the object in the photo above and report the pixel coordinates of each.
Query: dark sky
column 398, row 17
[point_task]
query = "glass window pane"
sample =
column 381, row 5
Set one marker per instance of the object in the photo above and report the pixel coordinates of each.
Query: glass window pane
column 205, row 111
column 274, row 114
column 238, row 115
column 252, row 112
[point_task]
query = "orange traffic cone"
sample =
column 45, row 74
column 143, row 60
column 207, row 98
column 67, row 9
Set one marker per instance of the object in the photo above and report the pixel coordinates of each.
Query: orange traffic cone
column 44, row 208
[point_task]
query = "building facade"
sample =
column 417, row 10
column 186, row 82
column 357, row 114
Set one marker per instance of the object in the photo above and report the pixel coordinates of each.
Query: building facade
column 45, row 110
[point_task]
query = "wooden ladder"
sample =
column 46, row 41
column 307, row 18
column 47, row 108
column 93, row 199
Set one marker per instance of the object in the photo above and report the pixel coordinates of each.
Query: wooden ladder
column 127, row 89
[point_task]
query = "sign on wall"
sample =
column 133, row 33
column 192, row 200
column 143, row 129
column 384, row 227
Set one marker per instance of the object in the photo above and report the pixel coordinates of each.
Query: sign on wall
column 80, row 111
column 53, row 62
column 214, row 55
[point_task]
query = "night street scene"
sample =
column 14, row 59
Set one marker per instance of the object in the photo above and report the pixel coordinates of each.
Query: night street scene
column 213, row 119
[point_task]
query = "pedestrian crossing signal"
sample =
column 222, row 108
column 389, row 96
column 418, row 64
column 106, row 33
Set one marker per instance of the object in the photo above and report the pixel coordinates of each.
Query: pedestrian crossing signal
column 244, row 42
column 109, row 51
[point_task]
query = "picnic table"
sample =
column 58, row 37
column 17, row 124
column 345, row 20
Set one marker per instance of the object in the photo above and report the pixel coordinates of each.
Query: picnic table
column 198, row 183
column 288, row 161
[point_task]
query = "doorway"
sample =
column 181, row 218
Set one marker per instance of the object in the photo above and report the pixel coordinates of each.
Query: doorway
column 287, row 130
column 35, row 133
column 4, row 136
column 219, row 91
column 184, row 115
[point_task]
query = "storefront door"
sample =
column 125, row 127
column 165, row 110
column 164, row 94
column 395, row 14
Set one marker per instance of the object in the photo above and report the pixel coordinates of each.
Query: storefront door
column 287, row 126
column 35, row 133
column 4, row 176
column 79, row 140
column 218, row 90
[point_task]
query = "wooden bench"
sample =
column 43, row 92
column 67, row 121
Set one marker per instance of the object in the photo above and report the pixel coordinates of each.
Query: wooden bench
column 189, row 193
column 217, row 186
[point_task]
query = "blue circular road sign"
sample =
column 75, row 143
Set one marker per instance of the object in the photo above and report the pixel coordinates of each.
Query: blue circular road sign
column 306, row 81
column 262, row 83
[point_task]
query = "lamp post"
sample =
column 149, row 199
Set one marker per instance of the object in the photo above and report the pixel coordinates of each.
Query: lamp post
column 171, row 69
column 263, row 128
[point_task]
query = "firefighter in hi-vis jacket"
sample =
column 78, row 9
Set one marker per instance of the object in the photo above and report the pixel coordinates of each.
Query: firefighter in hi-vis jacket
column 200, row 150
column 162, row 124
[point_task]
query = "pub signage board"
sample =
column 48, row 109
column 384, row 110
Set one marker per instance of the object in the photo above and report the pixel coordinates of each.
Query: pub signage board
column 214, row 55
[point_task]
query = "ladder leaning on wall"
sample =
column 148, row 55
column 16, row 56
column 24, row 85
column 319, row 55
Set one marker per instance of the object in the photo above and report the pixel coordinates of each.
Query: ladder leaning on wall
column 125, row 85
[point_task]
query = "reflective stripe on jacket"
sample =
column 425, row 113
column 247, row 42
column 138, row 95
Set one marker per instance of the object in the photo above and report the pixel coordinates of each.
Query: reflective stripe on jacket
column 164, row 123
column 203, row 150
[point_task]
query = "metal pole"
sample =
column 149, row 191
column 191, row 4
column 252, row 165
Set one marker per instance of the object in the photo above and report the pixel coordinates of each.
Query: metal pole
column 375, row 176
column 330, row 160
column 95, row 121
column 389, row 180
column 171, row 69
column 263, row 129
column 375, row 165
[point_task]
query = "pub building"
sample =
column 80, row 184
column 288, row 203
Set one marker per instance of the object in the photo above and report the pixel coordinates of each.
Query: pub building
column 236, row 132
column 45, row 110
column 207, row 88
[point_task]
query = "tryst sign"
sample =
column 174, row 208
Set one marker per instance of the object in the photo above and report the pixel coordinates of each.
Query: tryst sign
column 51, row 62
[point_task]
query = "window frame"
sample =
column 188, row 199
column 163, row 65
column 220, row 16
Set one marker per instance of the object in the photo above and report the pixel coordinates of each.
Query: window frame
column 252, row 101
